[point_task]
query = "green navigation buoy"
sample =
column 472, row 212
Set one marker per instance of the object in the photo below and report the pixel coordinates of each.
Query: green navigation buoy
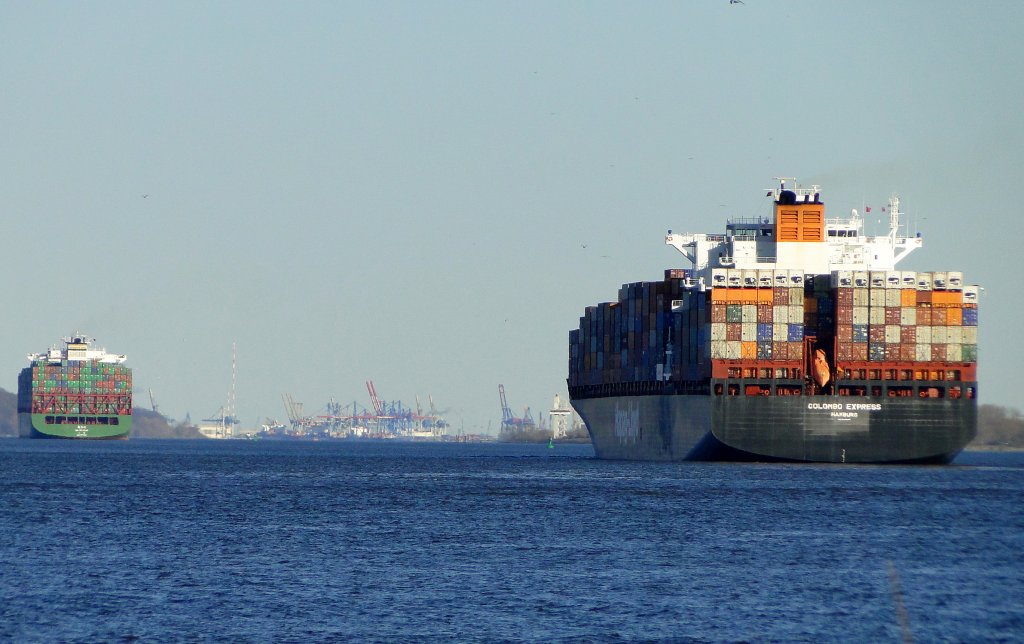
column 551, row 443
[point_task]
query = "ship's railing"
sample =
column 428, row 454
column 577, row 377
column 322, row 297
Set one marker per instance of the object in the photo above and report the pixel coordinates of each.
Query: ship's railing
column 747, row 220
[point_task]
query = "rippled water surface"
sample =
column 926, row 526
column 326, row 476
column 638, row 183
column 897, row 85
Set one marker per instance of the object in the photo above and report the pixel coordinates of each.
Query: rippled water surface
column 266, row 540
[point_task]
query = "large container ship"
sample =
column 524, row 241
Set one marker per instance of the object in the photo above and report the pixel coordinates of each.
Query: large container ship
column 75, row 391
column 792, row 338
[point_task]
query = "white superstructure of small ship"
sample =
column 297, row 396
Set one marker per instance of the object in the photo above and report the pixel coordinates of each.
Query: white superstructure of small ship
column 77, row 348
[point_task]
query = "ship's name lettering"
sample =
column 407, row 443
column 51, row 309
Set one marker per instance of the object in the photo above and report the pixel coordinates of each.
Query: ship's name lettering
column 845, row 406
column 627, row 423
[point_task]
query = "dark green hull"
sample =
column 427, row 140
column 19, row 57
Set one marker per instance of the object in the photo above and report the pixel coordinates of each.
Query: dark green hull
column 74, row 427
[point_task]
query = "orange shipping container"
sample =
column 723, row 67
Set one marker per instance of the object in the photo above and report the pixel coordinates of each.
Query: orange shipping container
column 947, row 297
column 744, row 295
column 954, row 316
column 748, row 350
column 908, row 297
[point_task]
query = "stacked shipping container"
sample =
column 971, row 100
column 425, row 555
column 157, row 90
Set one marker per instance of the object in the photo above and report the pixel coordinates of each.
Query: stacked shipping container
column 673, row 330
column 79, row 387
column 905, row 317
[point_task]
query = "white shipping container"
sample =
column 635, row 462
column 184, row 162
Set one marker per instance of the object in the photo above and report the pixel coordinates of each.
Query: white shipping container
column 924, row 335
column 748, row 332
column 892, row 279
column 924, row 350
column 717, row 332
column 954, row 352
column 796, row 312
column 734, row 277
column 924, row 281
column 860, row 315
column 718, row 349
column 955, row 334
column 842, row 279
column 940, row 334
column 970, row 295
column 892, row 297
column 765, row 278
column 860, row 279
column 781, row 314
column 861, row 297
column 781, row 278
column 796, row 279
column 877, row 279
column 908, row 315
column 969, row 334
column 908, row 279
column 733, row 350
column 892, row 333
column 796, row 296
column 749, row 313
column 940, row 280
column 718, row 277
column 749, row 278
column 955, row 280
column 780, row 332
column 876, row 315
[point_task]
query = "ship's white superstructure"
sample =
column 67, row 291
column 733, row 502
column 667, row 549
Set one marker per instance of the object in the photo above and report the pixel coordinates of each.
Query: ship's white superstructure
column 77, row 348
column 800, row 240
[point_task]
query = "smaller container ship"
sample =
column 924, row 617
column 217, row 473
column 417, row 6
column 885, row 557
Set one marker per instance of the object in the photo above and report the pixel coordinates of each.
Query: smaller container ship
column 76, row 392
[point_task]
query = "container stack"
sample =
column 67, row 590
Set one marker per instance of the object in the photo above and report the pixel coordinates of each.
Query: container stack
column 901, row 316
column 77, row 387
column 757, row 316
column 654, row 332
column 678, row 329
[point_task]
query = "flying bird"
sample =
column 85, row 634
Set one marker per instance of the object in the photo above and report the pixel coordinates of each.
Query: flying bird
column 736, row 2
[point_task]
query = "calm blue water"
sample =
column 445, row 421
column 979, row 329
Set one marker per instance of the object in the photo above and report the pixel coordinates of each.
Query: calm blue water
column 233, row 541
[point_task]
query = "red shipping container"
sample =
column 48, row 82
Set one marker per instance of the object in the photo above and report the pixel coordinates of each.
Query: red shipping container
column 924, row 316
column 733, row 331
column 908, row 334
column 718, row 312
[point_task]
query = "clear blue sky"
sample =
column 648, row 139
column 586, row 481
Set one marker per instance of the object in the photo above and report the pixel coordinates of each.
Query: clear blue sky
column 401, row 191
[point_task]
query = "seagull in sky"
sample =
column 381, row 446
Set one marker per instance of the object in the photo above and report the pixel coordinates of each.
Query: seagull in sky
column 736, row 2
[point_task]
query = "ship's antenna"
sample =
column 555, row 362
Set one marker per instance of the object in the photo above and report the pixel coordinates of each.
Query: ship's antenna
column 894, row 218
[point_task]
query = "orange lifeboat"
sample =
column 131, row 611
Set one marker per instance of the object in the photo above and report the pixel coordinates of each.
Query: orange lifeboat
column 821, row 368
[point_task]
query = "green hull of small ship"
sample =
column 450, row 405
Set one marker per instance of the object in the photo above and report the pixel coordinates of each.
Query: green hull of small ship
column 90, row 428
